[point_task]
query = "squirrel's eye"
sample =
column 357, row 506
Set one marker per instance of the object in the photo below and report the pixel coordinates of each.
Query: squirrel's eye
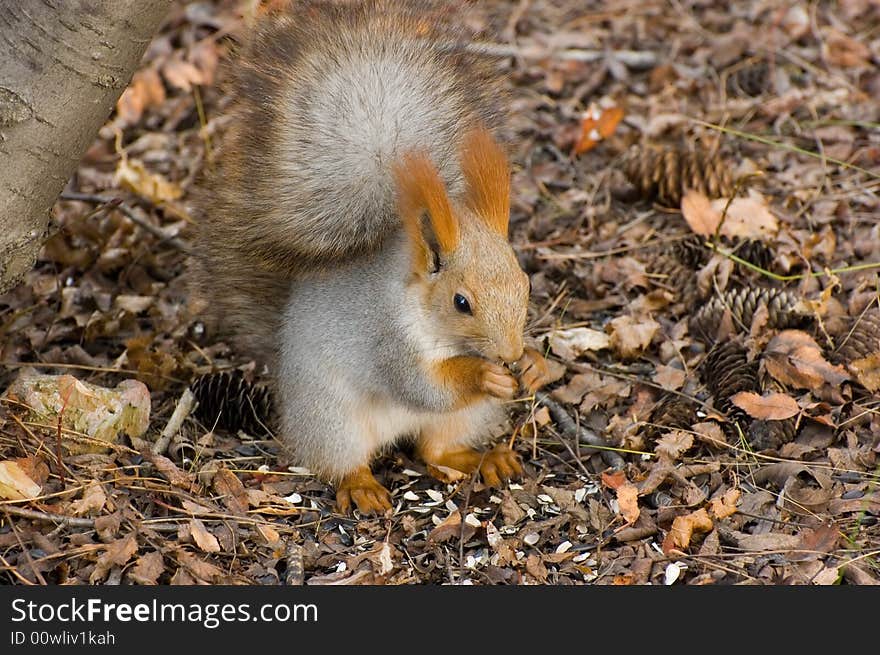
column 461, row 304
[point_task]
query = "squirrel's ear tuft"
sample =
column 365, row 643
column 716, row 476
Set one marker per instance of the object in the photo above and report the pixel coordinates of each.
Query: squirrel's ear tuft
column 420, row 189
column 487, row 174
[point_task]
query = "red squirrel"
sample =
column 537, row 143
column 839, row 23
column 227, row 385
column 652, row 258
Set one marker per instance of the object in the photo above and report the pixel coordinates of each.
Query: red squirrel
column 353, row 236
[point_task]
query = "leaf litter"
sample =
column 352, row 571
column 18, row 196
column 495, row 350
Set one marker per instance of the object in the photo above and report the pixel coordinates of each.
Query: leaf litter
column 760, row 469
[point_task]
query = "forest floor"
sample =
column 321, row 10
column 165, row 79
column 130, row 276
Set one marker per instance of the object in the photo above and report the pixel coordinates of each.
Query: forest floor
column 695, row 198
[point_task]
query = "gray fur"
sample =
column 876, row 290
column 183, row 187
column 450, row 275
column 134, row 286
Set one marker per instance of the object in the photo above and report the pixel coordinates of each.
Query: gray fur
column 338, row 366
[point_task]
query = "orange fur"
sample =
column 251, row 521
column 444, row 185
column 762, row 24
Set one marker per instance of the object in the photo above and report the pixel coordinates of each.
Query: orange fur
column 420, row 188
column 487, row 172
column 462, row 375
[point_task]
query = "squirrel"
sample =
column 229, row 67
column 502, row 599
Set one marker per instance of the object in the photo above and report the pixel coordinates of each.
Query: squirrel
column 353, row 236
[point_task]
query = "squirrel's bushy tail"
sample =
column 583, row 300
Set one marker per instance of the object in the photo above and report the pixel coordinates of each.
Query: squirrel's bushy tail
column 326, row 97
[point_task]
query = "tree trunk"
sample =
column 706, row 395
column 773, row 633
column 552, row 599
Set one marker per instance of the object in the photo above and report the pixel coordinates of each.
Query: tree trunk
column 63, row 65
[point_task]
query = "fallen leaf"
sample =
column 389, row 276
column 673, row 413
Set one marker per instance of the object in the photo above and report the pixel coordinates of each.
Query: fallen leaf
column 597, row 124
column 147, row 569
column 669, row 377
column 204, row 571
column 450, row 528
column 231, row 491
column 84, row 408
column 842, row 50
column 93, row 500
column 182, row 74
column 381, row 557
column 133, row 176
column 203, row 539
column 631, row 336
column 628, row 502
column 169, row 470
column 698, row 213
column 794, row 358
column 134, row 304
column 613, row 479
column 574, row 391
column 15, row 484
column 674, row 444
column 684, row 528
column 744, row 218
column 725, row 505
column 867, row 371
column 117, row 554
column 145, row 91
column 766, row 541
column 773, row 406
column 571, row 344
column 269, row 534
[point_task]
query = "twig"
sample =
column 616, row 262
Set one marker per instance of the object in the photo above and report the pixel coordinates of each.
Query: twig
column 636, row 59
column 34, row 515
column 570, row 429
column 116, row 203
column 184, row 407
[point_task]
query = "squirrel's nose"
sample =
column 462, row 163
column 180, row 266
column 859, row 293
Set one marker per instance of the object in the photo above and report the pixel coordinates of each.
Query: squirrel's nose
column 511, row 352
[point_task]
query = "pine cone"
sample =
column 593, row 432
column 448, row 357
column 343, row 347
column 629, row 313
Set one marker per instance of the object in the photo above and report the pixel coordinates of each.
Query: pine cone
column 781, row 305
column 753, row 251
column 674, row 275
column 727, row 371
column 672, row 411
column 752, row 79
column 665, row 174
column 691, row 251
column 229, row 402
column 863, row 340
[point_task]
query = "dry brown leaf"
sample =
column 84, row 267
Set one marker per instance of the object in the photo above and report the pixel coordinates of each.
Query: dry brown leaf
column 597, row 124
column 613, row 479
column 674, row 444
column 84, row 408
column 133, row 176
column 117, row 554
column 15, row 483
column 203, row 539
column 571, row 344
column 134, row 304
column 725, row 505
column 867, row 371
column 631, row 336
column 745, row 218
column 450, row 528
column 574, row 391
column 231, row 491
column 684, row 528
column 182, row 74
column 145, row 91
column 842, row 50
column 794, row 358
column 767, row 541
column 168, row 470
column 269, row 534
column 628, row 502
column 669, row 377
column 147, row 569
column 773, row 406
column 204, row 571
column 698, row 213
column 93, row 500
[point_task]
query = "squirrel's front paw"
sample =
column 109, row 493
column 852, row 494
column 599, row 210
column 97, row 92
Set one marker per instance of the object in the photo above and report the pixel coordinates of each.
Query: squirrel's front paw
column 533, row 369
column 362, row 489
column 497, row 381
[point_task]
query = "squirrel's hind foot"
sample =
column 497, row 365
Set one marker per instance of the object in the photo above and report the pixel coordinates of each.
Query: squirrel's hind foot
column 364, row 491
column 496, row 466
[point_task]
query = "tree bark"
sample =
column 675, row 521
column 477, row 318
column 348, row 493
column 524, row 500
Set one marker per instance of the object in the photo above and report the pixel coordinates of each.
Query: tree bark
column 63, row 65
